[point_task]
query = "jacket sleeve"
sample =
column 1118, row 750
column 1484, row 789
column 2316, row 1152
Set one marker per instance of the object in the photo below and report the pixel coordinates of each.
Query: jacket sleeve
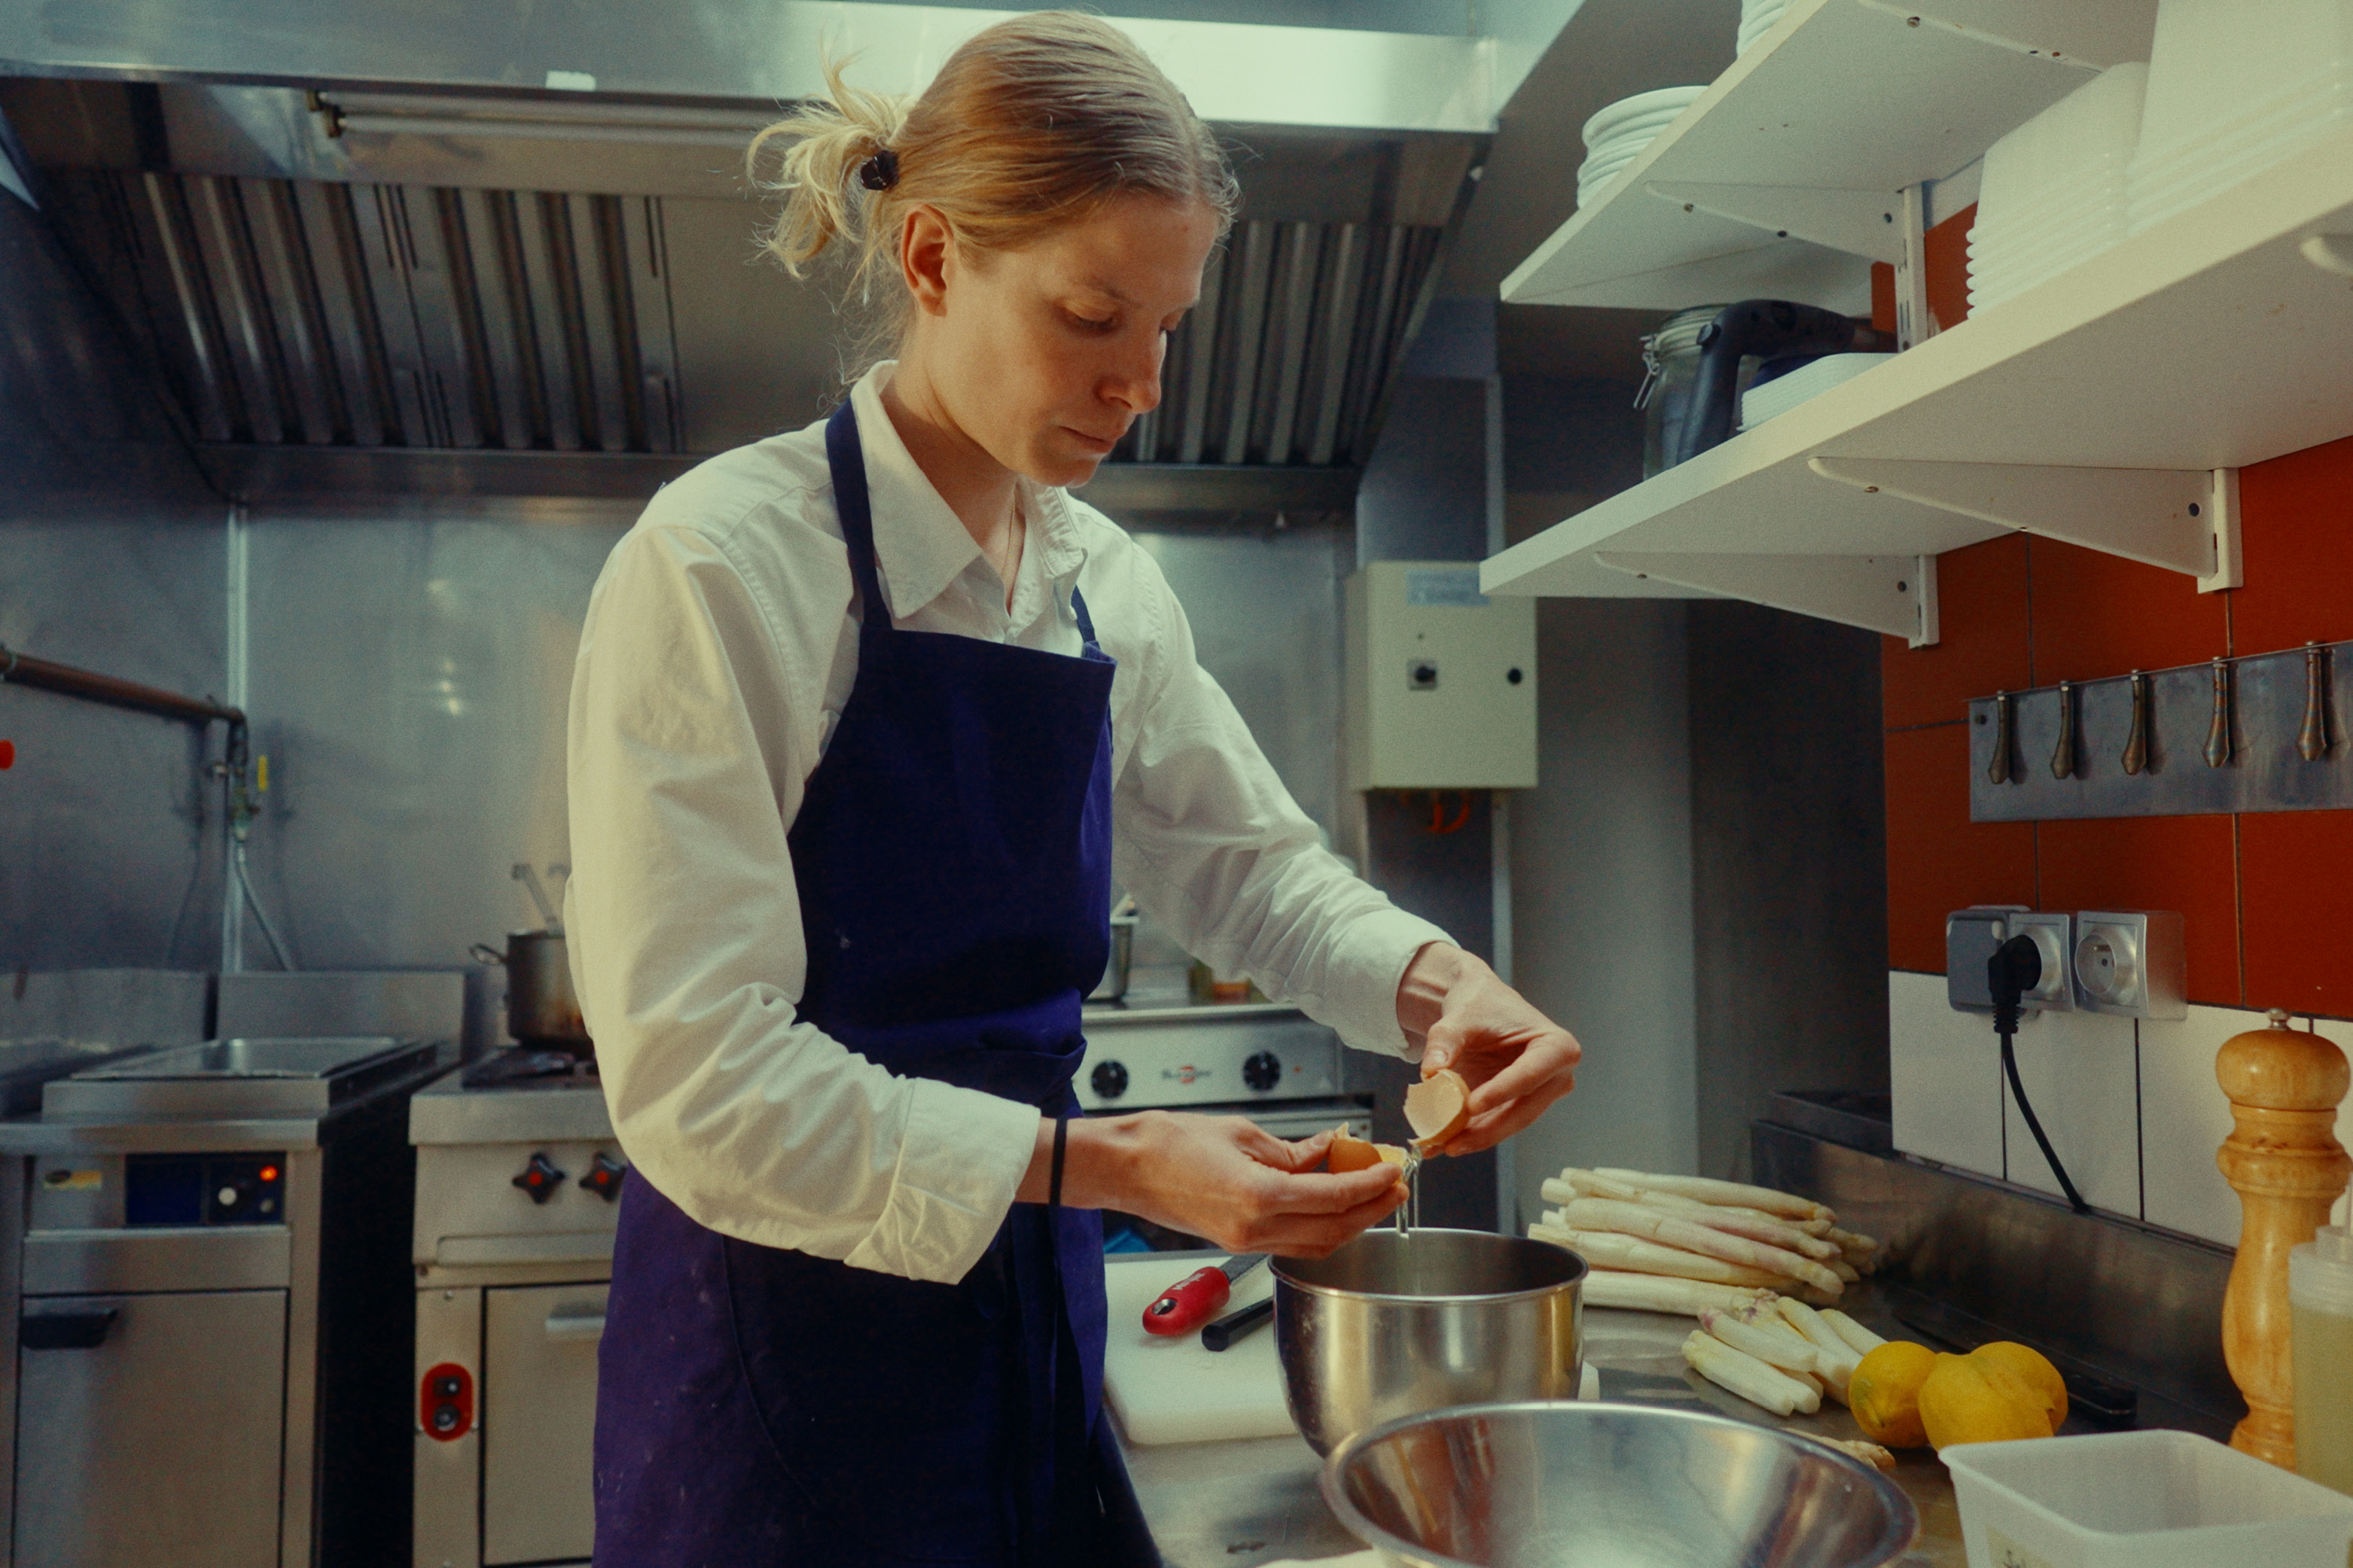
column 690, row 734
column 1212, row 845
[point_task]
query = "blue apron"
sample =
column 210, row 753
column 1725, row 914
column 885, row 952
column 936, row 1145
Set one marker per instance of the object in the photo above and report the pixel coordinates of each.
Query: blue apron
column 759, row 1408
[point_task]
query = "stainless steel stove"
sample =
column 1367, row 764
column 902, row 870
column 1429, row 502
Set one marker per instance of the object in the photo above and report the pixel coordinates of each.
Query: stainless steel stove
column 211, row 1277
column 1269, row 1062
column 518, row 1183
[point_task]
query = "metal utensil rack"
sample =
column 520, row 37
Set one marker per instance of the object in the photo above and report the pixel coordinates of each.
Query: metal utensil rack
column 2263, row 732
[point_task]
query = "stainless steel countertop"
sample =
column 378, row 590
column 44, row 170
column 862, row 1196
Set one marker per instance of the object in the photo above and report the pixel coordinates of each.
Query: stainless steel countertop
column 1231, row 1505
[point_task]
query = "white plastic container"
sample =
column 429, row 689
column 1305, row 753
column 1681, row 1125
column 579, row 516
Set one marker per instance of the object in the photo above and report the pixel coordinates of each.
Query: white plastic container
column 2320, row 1315
column 2053, row 190
column 2140, row 1499
column 2234, row 87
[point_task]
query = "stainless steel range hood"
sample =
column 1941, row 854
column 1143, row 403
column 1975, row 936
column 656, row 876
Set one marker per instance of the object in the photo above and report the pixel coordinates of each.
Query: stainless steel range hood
column 379, row 270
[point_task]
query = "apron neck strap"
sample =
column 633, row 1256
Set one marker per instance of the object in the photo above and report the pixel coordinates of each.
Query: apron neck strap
column 846, row 459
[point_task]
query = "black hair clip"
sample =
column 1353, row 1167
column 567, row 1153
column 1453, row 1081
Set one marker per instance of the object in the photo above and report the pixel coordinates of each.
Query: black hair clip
column 880, row 172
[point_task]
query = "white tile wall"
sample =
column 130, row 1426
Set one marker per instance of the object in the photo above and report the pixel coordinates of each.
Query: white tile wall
column 1944, row 1076
column 2079, row 1074
column 2087, row 1075
column 2184, row 1118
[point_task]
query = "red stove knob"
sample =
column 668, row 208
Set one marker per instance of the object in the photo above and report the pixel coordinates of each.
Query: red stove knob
column 603, row 1177
column 445, row 1403
column 540, row 1178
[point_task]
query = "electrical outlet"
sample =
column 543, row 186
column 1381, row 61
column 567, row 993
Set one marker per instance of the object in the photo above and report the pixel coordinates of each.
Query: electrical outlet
column 2132, row 963
column 1971, row 935
column 2051, row 931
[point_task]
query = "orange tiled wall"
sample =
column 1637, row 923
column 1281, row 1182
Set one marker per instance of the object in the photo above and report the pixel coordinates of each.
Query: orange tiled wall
column 2268, row 897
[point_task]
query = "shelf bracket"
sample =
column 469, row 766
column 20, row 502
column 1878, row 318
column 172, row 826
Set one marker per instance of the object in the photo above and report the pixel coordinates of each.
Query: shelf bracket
column 1860, row 223
column 2184, row 520
column 1895, row 595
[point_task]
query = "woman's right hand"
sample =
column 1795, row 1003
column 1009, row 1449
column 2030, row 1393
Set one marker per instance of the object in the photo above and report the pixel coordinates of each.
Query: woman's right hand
column 1223, row 1178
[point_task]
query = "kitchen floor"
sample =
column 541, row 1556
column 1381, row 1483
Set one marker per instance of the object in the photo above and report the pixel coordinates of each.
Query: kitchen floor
column 1233, row 1504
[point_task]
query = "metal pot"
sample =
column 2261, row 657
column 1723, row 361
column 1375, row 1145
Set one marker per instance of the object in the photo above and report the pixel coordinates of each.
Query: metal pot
column 1529, row 1483
column 1392, row 1325
column 1114, row 983
column 540, row 1007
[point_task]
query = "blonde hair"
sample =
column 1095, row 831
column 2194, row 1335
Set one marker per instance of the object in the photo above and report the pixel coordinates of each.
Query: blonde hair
column 1033, row 122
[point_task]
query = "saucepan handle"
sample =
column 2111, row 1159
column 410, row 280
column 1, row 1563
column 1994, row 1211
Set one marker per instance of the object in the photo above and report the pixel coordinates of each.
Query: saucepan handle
column 486, row 955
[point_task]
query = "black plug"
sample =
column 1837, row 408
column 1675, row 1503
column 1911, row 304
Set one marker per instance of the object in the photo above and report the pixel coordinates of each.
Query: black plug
column 2015, row 969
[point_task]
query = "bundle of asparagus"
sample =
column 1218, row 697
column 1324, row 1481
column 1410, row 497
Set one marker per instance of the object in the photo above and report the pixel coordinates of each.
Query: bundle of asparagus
column 1676, row 1244
column 1784, row 1355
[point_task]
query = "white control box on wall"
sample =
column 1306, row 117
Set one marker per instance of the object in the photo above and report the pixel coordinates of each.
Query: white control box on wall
column 1441, row 680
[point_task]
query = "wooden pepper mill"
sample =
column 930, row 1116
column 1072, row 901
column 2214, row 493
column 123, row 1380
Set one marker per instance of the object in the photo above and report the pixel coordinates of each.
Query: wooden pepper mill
column 2289, row 1170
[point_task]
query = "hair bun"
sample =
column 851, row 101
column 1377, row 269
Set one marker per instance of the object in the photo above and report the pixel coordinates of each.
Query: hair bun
column 880, row 172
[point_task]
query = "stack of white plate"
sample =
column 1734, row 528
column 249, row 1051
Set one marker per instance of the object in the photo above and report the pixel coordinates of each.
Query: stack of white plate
column 2054, row 189
column 1756, row 19
column 1777, row 397
column 2233, row 89
column 1616, row 135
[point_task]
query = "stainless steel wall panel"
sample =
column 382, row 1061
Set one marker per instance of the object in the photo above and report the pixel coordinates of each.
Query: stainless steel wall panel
column 758, row 351
column 413, row 665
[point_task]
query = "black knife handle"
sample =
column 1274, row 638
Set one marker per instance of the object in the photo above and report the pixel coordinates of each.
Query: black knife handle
column 1234, row 1327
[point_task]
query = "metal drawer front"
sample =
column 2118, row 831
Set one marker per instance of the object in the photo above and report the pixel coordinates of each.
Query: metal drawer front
column 152, row 1437
column 538, row 1419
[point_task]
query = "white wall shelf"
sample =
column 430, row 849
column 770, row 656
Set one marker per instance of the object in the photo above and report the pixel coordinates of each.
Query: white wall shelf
column 1781, row 181
column 2208, row 343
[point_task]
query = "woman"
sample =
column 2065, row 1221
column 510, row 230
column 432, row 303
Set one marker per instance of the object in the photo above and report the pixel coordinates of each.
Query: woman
column 865, row 720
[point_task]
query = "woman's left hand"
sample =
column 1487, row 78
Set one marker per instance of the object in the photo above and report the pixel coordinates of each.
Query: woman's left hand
column 1517, row 1060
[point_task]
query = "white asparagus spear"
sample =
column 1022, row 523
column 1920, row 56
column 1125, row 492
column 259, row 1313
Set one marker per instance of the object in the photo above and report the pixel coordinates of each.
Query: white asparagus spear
column 1657, row 1225
column 1845, row 1270
column 1574, row 1183
column 1747, row 1377
column 1609, row 1249
column 1838, row 1357
column 1863, row 1340
column 1751, row 1223
column 1852, row 1241
column 1708, row 1190
column 1664, row 1293
column 1786, row 1352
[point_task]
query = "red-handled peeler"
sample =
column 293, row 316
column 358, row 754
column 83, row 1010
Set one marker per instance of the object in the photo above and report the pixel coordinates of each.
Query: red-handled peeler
column 1196, row 1298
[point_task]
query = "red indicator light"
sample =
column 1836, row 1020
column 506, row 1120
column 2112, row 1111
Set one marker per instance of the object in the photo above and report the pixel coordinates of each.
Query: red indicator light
column 7, row 756
column 268, row 1173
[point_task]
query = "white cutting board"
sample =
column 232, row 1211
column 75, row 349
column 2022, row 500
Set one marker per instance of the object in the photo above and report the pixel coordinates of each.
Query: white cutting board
column 1171, row 1390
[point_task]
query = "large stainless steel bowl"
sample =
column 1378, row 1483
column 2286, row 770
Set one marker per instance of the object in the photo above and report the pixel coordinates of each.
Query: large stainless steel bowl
column 1392, row 1325
column 1540, row 1485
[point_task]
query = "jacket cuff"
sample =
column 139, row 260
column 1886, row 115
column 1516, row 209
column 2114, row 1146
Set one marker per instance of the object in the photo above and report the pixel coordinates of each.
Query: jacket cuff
column 1379, row 950
column 962, row 1155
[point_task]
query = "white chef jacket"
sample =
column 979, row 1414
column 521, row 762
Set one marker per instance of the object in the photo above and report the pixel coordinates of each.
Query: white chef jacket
column 719, row 647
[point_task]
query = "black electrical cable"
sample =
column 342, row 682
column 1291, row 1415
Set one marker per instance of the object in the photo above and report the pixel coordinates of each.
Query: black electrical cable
column 2016, row 968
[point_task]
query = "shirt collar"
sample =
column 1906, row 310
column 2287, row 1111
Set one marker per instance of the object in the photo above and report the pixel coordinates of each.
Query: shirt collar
column 920, row 543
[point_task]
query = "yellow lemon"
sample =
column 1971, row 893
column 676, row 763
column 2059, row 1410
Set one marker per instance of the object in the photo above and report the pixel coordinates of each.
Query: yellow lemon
column 2034, row 1367
column 1885, row 1393
column 1966, row 1399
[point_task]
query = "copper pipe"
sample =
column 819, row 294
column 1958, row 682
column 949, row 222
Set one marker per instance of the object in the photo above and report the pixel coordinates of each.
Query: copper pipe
column 23, row 670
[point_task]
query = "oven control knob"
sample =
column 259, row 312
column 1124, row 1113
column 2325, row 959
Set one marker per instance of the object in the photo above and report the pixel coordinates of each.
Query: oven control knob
column 1109, row 1079
column 603, row 1177
column 1262, row 1071
column 540, row 1178
column 444, row 1404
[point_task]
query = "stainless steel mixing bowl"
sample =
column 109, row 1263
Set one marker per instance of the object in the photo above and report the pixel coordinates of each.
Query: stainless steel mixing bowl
column 1538, row 1485
column 1392, row 1325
